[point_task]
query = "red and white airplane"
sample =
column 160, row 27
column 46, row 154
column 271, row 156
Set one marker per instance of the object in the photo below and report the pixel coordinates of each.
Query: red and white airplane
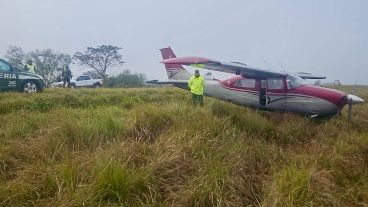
column 258, row 88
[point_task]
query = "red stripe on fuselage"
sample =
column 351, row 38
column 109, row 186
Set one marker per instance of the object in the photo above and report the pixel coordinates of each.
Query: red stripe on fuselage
column 174, row 68
column 306, row 91
column 238, row 89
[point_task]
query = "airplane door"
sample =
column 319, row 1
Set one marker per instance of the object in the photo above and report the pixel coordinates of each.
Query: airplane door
column 276, row 94
column 263, row 93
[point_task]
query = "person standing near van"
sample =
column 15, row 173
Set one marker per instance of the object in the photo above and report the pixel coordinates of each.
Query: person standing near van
column 30, row 66
column 67, row 75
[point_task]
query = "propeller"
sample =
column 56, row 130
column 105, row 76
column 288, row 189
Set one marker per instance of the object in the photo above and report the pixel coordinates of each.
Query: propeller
column 352, row 100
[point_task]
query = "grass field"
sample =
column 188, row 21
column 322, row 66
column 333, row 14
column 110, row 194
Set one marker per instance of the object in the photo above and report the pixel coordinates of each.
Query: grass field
column 150, row 147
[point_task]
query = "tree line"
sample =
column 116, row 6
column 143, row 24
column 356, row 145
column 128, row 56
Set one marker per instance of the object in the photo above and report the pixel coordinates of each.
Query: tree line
column 50, row 64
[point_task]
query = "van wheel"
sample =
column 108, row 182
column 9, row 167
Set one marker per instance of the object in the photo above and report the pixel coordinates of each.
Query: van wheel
column 72, row 86
column 30, row 87
column 97, row 86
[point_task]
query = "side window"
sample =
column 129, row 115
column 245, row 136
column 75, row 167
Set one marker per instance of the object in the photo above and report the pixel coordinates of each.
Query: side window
column 275, row 83
column 246, row 83
column 80, row 78
column 4, row 66
column 87, row 78
column 263, row 83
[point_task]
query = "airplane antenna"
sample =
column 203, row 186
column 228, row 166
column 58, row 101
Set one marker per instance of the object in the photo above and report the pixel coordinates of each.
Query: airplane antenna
column 265, row 62
column 282, row 66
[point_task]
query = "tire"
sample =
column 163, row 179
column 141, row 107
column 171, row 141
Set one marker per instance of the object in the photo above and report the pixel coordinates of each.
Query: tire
column 30, row 87
column 97, row 86
column 73, row 86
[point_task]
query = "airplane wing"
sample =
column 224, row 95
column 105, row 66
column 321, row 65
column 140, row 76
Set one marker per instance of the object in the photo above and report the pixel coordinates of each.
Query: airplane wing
column 183, row 84
column 158, row 82
column 309, row 76
column 233, row 67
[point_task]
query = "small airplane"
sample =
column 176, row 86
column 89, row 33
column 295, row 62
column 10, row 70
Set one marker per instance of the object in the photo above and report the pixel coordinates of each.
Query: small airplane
column 259, row 88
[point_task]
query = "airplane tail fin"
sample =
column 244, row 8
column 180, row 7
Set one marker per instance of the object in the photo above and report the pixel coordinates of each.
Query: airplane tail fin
column 174, row 71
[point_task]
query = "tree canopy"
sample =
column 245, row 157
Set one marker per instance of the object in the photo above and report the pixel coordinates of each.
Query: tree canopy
column 49, row 63
column 15, row 56
column 100, row 58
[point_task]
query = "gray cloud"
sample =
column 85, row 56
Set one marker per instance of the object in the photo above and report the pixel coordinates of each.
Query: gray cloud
column 326, row 37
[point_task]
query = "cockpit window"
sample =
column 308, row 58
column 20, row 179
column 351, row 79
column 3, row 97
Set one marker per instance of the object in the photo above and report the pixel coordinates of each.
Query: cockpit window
column 294, row 81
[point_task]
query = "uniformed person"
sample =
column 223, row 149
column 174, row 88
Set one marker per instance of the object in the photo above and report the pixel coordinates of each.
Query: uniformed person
column 30, row 67
column 196, row 85
column 66, row 75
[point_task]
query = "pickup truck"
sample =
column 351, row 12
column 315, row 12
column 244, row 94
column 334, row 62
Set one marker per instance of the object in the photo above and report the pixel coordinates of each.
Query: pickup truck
column 12, row 78
column 85, row 81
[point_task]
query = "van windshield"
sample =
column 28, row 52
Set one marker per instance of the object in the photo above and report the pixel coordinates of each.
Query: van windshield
column 294, row 81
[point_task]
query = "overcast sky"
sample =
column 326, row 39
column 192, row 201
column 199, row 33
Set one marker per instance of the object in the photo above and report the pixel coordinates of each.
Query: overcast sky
column 327, row 37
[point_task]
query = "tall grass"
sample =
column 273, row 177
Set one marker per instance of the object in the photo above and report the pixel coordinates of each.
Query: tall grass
column 150, row 147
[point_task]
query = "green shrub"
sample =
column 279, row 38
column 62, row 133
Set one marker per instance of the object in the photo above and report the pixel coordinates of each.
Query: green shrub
column 115, row 183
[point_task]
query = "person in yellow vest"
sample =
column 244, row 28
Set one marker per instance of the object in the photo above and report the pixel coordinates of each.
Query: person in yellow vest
column 30, row 67
column 196, row 85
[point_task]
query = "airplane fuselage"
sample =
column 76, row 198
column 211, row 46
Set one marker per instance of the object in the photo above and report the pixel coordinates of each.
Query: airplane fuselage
column 275, row 94
column 259, row 88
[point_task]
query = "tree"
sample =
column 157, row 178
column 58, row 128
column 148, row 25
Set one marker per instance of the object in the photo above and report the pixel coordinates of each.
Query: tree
column 100, row 58
column 49, row 63
column 126, row 80
column 15, row 56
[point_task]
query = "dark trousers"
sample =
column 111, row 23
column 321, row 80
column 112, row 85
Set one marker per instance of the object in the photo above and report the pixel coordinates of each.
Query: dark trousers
column 65, row 81
column 197, row 99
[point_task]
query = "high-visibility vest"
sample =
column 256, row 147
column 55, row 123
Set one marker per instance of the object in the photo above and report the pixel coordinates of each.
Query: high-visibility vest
column 31, row 68
column 196, row 85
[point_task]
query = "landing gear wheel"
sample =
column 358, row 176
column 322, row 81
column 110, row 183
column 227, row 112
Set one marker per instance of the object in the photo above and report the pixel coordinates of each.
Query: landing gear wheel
column 30, row 87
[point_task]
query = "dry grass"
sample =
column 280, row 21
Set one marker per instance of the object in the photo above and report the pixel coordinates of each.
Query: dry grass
column 150, row 147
